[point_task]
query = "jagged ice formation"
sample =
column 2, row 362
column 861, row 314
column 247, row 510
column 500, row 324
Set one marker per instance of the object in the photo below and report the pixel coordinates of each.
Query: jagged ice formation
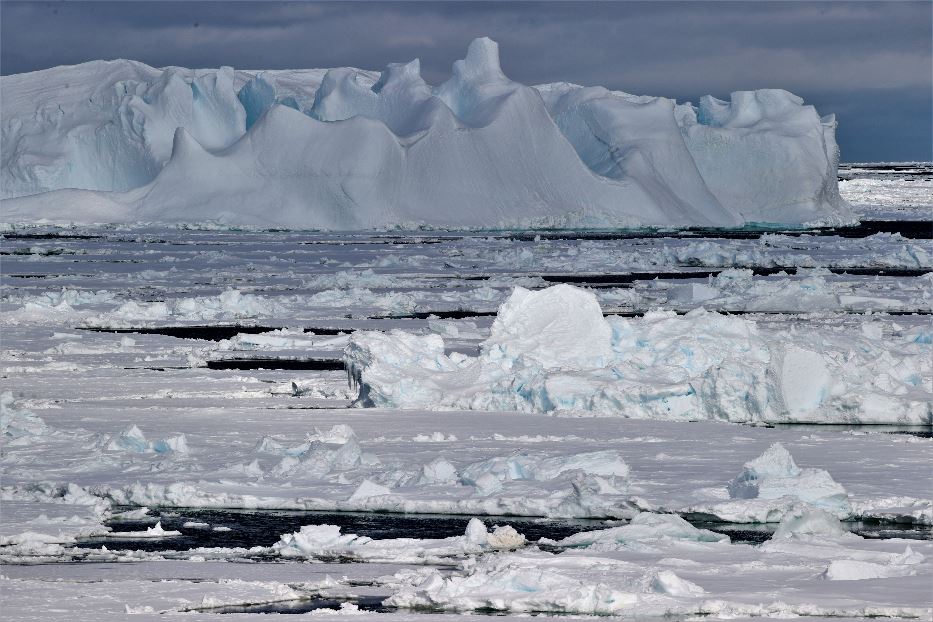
column 119, row 141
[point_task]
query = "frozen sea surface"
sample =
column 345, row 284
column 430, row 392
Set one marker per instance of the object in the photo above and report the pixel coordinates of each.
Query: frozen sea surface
column 198, row 372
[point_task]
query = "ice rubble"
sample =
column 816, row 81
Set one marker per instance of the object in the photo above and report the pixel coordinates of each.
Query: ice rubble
column 326, row 541
column 806, row 522
column 346, row 149
column 680, row 578
column 774, row 475
column 156, row 532
column 773, row 488
column 18, row 422
column 552, row 350
column 516, row 584
column 133, row 440
column 644, row 529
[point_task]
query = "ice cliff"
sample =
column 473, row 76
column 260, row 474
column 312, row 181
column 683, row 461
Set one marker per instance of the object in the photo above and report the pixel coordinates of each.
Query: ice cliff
column 120, row 141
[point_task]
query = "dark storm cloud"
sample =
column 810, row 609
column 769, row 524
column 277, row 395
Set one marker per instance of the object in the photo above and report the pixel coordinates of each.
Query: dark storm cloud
column 869, row 62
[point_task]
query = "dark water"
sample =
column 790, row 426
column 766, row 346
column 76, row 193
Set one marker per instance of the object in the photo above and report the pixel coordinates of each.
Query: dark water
column 209, row 333
column 919, row 431
column 249, row 528
column 277, row 363
column 365, row 603
column 756, row 534
column 913, row 229
column 264, row 527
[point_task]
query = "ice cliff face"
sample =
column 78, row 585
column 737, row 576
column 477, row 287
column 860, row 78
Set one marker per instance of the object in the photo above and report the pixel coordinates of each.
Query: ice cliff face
column 770, row 137
column 349, row 149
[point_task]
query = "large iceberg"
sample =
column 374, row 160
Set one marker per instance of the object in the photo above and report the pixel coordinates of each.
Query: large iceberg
column 349, row 149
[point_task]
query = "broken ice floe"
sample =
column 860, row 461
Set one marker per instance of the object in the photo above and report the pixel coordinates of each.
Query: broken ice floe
column 552, row 350
column 326, row 541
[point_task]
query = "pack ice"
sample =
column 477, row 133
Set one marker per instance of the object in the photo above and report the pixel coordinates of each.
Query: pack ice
column 552, row 350
column 120, row 141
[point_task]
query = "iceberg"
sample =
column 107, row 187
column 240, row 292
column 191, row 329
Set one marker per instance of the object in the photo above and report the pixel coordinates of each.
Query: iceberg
column 347, row 149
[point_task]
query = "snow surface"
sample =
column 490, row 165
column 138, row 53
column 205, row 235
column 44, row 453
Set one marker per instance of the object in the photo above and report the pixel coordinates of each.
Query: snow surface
column 348, row 149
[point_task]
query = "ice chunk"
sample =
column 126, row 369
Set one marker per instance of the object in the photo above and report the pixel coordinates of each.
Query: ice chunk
column 438, row 471
column 774, row 475
column 666, row 582
column 606, row 463
column 177, row 444
column 505, row 538
column 151, row 533
column 368, row 489
column 646, row 527
column 856, row 570
column 548, row 351
column 476, row 532
column 130, row 439
column 16, row 422
column 316, row 540
column 337, row 435
column 133, row 440
column 807, row 521
column 776, row 461
column 561, row 326
column 528, row 466
column 804, row 380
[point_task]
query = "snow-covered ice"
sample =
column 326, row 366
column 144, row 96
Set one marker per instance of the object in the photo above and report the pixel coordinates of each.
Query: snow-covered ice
column 763, row 327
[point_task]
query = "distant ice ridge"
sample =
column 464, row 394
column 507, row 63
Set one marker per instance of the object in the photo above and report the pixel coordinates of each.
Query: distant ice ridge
column 350, row 149
column 552, row 350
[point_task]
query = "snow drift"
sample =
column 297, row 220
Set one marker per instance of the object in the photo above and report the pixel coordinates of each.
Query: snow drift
column 122, row 142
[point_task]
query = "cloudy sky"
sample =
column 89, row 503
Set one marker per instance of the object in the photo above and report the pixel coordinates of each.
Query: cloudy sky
column 869, row 62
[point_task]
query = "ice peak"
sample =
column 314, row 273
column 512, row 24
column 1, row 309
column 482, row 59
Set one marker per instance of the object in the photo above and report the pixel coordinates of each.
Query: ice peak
column 184, row 144
column 776, row 461
column 398, row 73
column 481, row 62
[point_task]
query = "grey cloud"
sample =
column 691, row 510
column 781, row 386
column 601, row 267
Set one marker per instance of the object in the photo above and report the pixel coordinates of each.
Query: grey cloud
column 820, row 50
